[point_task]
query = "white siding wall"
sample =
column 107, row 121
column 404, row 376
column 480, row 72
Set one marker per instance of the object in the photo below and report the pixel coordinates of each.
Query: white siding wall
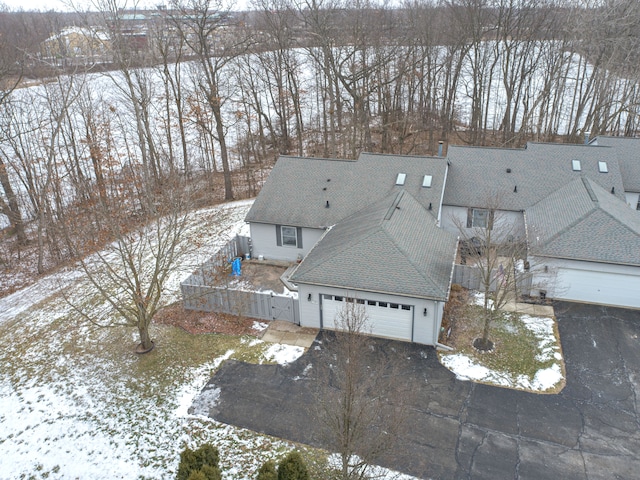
column 454, row 216
column 632, row 199
column 425, row 329
column 263, row 239
column 616, row 280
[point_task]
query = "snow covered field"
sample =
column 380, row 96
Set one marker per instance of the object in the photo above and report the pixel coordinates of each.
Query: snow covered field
column 75, row 402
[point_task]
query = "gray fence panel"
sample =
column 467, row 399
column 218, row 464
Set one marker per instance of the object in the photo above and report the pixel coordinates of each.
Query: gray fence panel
column 261, row 305
column 243, row 245
column 198, row 294
column 469, row 277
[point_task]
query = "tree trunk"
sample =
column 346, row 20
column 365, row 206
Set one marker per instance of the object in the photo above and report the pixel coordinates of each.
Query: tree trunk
column 14, row 213
column 146, row 344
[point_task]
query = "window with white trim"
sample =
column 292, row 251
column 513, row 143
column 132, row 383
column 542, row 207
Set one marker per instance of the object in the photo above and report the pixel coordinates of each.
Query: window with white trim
column 289, row 236
column 479, row 218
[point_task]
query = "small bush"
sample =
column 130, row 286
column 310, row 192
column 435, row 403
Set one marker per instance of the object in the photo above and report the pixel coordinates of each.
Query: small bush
column 211, row 473
column 292, row 467
column 268, row 471
column 196, row 475
column 192, row 461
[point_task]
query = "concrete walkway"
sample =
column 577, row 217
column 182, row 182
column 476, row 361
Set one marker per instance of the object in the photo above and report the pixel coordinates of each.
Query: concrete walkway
column 281, row 331
column 529, row 309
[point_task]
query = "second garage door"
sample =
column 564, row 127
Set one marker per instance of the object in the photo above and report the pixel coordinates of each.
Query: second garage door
column 385, row 319
column 598, row 287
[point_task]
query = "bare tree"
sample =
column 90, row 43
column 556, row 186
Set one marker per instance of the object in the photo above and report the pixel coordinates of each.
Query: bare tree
column 214, row 39
column 131, row 273
column 492, row 242
column 363, row 405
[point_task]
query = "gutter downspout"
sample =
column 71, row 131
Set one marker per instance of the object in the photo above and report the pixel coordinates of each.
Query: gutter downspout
column 446, row 348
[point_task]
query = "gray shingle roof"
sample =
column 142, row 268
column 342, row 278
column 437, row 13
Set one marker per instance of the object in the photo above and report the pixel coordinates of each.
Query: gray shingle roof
column 583, row 221
column 628, row 150
column 479, row 173
column 298, row 189
column 392, row 246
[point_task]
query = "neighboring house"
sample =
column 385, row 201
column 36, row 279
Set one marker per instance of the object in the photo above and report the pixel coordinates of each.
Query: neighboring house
column 628, row 152
column 512, row 180
column 584, row 244
column 77, row 45
column 382, row 231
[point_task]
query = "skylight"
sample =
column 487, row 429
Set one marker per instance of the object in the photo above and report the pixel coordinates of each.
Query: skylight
column 401, row 178
column 602, row 167
column 575, row 164
column 426, row 181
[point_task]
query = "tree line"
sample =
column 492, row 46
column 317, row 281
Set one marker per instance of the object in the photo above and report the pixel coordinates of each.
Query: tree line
column 211, row 97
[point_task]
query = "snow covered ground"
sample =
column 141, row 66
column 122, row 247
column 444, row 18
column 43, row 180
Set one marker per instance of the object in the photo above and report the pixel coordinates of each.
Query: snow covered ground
column 467, row 367
column 76, row 402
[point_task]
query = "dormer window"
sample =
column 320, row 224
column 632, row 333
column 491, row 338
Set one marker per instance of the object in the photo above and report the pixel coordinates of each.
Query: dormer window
column 401, row 178
column 426, row 181
column 602, row 167
column 575, row 164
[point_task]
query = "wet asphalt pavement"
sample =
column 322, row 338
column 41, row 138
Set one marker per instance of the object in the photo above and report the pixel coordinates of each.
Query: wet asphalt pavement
column 462, row 430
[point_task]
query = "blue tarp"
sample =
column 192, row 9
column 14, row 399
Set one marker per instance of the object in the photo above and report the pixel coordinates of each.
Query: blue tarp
column 236, row 267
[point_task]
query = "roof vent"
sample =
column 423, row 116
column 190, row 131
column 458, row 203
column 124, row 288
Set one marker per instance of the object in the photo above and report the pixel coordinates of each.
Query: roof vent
column 324, row 189
column 430, row 206
column 613, row 190
column 401, row 178
column 440, row 148
column 426, row 181
column 575, row 164
column 327, row 204
column 602, row 167
column 515, row 189
column 508, row 170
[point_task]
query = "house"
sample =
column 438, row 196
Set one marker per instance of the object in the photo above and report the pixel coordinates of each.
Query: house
column 628, row 153
column 366, row 231
column 77, row 45
column 588, row 244
column 382, row 230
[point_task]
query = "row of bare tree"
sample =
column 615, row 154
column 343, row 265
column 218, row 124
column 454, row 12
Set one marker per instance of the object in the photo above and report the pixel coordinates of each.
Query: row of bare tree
column 212, row 92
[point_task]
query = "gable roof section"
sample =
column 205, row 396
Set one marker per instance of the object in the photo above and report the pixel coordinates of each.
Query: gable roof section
column 582, row 221
column 392, row 246
column 477, row 174
column 628, row 151
column 298, row 189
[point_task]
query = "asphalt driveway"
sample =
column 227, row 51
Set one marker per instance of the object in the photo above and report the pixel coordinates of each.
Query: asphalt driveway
column 591, row 430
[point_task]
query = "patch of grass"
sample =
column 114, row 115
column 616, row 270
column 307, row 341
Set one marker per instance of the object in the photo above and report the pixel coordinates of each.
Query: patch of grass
column 518, row 353
column 515, row 347
column 91, row 378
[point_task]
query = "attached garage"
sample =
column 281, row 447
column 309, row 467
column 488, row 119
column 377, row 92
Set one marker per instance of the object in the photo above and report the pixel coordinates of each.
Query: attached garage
column 592, row 286
column 384, row 319
column 586, row 246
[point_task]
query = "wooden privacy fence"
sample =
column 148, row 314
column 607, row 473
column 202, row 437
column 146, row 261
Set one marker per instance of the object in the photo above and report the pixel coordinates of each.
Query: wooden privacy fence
column 200, row 292
column 469, row 277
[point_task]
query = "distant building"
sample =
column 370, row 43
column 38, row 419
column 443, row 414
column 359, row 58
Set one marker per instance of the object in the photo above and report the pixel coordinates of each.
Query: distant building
column 77, row 46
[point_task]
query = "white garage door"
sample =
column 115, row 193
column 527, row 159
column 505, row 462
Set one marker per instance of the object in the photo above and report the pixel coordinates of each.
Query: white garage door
column 598, row 287
column 384, row 319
